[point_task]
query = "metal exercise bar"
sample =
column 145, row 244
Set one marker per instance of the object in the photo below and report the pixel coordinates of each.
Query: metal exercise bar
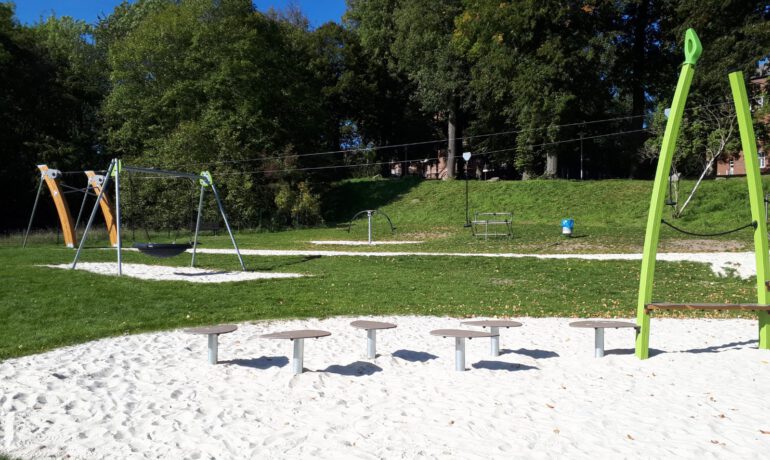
column 117, row 215
column 34, row 209
column 163, row 172
column 93, row 212
column 227, row 223
column 197, row 226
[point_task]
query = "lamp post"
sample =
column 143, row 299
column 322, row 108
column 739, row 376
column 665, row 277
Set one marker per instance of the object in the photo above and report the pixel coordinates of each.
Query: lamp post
column 466, row 157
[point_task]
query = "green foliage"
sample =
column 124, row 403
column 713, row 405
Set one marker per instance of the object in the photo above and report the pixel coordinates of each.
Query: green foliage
column 299, row 206
column 413, row 38
column 201, row 84
column 51, row 90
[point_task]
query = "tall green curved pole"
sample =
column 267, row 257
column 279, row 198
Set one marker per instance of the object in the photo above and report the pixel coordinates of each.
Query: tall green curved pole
column 692, row 51
column 749, row 145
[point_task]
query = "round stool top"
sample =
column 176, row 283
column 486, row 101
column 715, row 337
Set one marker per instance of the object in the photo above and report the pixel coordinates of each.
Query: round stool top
column 301, row 334
column 461, row 333
column 493, row 323
column 218, row 329
column 597, row 324
column 369, row 325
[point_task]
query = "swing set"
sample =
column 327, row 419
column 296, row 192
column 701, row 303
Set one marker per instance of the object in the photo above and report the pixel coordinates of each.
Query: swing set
column 645, row 305
column 52, row 178
column 159, row 250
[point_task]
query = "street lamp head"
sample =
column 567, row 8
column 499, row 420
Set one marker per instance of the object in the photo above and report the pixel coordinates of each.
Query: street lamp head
column 466, row 156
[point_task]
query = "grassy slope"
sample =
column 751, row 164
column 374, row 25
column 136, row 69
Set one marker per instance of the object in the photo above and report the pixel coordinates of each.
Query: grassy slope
column 621, row 203
column 44, row 308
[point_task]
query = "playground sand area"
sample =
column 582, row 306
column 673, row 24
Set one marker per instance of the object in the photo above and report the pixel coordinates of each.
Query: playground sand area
column 167, row 273
column 702, row 393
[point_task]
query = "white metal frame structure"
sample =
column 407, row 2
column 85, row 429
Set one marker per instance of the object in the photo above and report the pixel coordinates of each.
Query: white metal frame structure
column 114, row 171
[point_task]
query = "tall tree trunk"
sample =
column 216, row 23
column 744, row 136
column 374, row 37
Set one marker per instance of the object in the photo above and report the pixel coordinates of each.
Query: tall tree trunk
column 454, row 133
column 551, row 164
column 638, row 63
column 638, row 56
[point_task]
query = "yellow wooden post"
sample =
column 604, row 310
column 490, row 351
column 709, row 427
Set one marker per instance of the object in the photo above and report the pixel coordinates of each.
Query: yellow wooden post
column 51, row 179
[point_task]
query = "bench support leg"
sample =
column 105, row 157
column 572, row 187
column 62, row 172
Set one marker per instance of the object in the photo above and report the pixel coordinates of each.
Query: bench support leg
column 371, row 343
column 599, row 342
column 213, row 348
column 494, row 343
column 459, row 354
column 298, row 359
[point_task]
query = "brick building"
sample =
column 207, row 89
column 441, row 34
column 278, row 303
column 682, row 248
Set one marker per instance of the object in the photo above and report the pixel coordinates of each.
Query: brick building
column 737, row 166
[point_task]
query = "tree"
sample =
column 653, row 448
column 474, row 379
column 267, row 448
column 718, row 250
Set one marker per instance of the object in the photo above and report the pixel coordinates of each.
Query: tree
column 539, row 64
column 414, row 38
column 51, row 90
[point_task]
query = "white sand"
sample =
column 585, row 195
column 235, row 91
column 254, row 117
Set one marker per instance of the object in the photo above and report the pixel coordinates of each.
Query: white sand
column 154, row 395
column 743, row 264
column 360, row 243
column 165, row 273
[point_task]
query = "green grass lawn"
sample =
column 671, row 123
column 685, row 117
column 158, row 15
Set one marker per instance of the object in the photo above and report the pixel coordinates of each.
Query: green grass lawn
column 43, row 308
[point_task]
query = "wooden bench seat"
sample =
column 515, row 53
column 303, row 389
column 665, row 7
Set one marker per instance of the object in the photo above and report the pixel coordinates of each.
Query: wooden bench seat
column 707, row 306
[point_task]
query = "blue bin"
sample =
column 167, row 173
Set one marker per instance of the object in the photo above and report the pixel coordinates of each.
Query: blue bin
column 567, row 225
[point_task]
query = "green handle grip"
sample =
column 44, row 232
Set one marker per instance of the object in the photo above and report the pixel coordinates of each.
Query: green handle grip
column 692, row 47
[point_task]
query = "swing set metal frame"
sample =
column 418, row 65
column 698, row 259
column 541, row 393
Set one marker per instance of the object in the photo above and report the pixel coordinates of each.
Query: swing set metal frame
column 115, row 169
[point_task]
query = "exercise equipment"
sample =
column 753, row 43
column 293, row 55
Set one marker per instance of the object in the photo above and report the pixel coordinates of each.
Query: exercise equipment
column 645, row 305
column 161, row 250
column 369, row 217
column 58, row 188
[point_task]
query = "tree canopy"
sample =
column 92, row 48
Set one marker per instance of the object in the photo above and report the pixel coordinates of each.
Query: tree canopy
column 277, row 110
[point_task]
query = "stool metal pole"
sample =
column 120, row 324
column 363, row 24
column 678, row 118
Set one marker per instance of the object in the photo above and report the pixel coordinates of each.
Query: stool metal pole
column 459, row 354
column 494, row 344
column 298, row 358
column 213, row 348
column 371, row 343
column 599, row 342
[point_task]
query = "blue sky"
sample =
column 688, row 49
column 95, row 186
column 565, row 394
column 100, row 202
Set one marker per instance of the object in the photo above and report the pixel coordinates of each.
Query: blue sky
column 30, row 11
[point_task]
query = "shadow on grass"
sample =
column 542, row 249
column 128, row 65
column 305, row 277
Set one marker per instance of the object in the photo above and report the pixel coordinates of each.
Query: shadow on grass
column 354, row 369
column 264, row 362
column 502, row 366
column 536, row 354
column 191, row 275
column 414, row 356
column 346, row 199
column 294, row 261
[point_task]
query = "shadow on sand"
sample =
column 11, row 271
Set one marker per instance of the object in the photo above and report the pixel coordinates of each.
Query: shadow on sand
column 414, row 356
column 264, row 362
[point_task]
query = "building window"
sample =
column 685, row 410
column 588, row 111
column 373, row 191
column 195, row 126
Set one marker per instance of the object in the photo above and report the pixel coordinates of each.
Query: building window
column 762, row 160
column 731, row 169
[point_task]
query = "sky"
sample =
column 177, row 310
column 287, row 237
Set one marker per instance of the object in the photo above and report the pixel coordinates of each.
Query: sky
column 30, row 11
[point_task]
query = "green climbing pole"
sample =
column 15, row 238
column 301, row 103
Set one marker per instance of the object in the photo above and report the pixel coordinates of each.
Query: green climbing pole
column 748, row 142
column 693, row 50
column 749, row 146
